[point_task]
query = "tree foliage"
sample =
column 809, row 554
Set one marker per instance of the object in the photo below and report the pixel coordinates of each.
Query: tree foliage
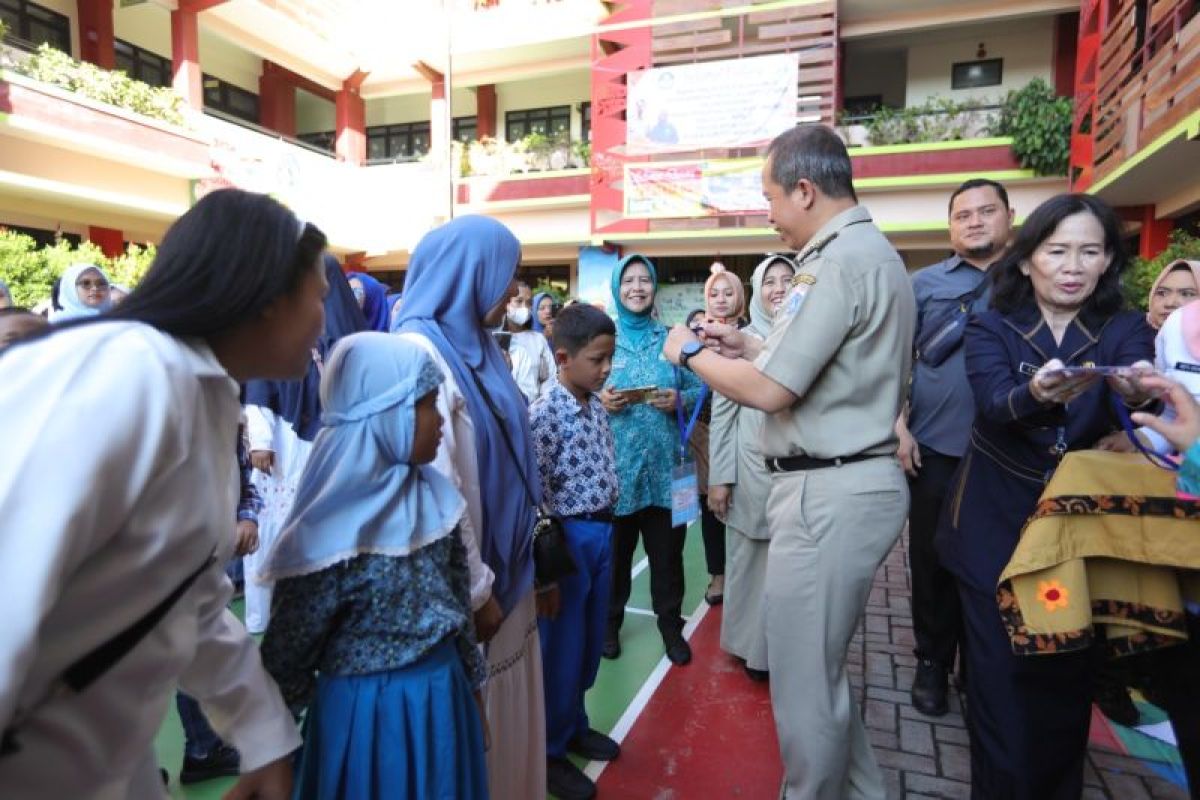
column 1039, row 123
column 30, row 270
column 1142, row 271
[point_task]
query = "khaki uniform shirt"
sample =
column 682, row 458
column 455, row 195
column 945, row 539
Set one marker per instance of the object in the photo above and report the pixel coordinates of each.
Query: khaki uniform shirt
column 842, row 343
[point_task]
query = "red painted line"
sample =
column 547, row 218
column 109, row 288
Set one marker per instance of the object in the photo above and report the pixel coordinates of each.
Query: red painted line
column 706, row 732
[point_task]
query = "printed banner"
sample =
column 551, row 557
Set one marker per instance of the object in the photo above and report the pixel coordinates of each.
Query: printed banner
column 730, row 103
column 694, row 188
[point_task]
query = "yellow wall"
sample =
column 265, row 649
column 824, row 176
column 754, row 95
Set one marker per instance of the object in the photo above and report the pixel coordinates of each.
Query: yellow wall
column 149, row 26
column 1027, row 50
column 314, row 114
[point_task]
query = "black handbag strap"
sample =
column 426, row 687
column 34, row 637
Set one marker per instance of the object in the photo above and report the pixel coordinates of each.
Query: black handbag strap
column 970, row 297
column 512, row 451
column 965, row 301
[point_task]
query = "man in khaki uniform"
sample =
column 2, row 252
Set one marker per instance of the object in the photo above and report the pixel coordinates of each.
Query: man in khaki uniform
column 832, row 378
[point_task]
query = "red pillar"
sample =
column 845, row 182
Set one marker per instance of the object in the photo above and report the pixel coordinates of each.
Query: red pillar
column 485, row 110
column 111, row 242
column 96, row 32
column 1155, row 235
column 276, row 100
column 185, row 57
column 1066, row 45
column 351, row 141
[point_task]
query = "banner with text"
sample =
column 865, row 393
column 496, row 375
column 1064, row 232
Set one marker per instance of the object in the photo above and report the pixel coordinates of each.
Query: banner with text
column 730, row 103
column 694, row 188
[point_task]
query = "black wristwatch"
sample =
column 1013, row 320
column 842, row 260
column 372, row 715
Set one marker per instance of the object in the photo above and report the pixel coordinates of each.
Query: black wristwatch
column 687, row 351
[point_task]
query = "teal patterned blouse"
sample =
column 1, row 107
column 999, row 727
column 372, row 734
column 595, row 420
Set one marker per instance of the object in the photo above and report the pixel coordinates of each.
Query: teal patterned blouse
column 371, row 613
column 1189, row 471
column 647, row 439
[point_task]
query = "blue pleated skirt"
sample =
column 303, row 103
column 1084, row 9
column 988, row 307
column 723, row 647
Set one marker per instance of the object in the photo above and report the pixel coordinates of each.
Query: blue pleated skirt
column 412, row 732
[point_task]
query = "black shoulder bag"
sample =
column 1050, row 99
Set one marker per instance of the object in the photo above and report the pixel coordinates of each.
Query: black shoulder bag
column 552, row 559
column 944, row 334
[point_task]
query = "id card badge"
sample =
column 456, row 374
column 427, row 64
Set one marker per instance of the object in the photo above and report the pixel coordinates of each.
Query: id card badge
column 685, row 495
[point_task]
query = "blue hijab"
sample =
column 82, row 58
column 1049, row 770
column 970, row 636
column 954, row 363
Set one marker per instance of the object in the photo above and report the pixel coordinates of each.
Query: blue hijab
column 392, row 300
column 68, row 295
column 359, row 493
column 537, row 301
column 299, row 402
column 375, row 305
column 634, row 330
column 458, row 273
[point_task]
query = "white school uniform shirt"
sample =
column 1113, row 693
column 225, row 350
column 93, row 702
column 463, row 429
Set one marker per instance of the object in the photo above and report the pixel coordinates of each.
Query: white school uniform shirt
column 1173, row 359
column 457, row 460
column 533, row 366
column 118, row 479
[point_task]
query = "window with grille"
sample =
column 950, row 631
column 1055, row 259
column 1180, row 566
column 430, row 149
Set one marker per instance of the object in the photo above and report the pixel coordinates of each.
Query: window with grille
column 466, row 129
column 553, row 122
column 230, row 99
column 30, row 25
column 586, row 112
column 405, row 140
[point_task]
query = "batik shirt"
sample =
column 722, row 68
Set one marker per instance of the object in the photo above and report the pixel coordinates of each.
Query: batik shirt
column 249, row 503
column 575, row 453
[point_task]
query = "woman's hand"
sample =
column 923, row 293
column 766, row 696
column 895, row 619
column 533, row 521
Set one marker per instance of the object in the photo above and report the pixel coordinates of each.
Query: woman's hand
column 548, row 602
column 1116, row 442
column 1047, row 388
column 1130, row 386
column 613, row 402
column 720, row 498
column 1184, row 429
column 262, row 460
column 664, row 400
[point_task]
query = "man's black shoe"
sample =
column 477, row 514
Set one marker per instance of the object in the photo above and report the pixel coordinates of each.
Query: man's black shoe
column 566, row 781
column 594, row 746
column 929, row 689
column 678, row 651
column 612, row 647
column 220, row 763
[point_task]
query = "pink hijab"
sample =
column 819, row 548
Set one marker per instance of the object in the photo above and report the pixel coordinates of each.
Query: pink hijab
column 719, row 272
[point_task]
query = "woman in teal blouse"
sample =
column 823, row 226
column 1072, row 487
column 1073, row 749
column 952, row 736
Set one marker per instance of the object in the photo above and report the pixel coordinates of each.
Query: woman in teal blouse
column 648, row 448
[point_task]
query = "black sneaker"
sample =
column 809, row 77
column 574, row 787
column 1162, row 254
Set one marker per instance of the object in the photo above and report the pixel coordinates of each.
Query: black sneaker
column 929, row 689
column 594, row 746
column 612, row 647
column 220, row 763
column 566, row 781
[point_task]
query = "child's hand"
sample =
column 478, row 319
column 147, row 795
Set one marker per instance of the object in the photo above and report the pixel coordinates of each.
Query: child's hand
column 247, row 538
column 548, row 602
column 488, row 620
column 262, row 460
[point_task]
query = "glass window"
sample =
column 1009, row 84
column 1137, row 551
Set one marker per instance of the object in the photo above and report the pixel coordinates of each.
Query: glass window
column 230, row 99
column 553, row 122
column 585, row 112
column 466, row 129
column 405, row 140
column 31, row 25
column 142, row 65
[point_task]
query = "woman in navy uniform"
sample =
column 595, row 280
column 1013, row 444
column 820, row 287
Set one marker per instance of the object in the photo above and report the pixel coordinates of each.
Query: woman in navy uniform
column 1056, row 301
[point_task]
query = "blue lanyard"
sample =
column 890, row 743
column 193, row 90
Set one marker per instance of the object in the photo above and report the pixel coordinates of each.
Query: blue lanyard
column 1127, row 423
column 685, row 431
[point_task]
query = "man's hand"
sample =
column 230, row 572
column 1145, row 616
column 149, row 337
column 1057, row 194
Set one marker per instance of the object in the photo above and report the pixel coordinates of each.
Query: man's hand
column 909, row 452
column 270, row 782
column 262, row 460
column 548, row 602
column 676, row 339
column 1184, row 430
column 247, row 538
column 488, row 619
column 720, row 498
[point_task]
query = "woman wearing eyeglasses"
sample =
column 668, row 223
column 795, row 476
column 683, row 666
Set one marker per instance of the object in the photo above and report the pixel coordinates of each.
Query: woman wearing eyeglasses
column 84, row 291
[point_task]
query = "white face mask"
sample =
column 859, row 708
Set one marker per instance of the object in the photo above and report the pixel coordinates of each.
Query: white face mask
column 518, row 315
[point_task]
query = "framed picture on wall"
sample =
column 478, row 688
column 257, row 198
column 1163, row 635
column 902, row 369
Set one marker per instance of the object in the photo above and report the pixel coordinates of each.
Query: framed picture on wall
column 976, row 74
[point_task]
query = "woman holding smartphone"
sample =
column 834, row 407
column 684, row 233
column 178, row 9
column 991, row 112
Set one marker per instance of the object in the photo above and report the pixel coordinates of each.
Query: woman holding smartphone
column 641, row 398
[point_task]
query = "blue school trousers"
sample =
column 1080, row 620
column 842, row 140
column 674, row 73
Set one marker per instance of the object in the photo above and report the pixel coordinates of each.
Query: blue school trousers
column 571, row 643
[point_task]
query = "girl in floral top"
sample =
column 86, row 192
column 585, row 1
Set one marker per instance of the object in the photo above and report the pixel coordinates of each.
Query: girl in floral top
column 371, row 627
column 648, row 441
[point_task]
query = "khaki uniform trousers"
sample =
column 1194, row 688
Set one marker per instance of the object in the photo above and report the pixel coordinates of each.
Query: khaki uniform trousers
column 830, row 530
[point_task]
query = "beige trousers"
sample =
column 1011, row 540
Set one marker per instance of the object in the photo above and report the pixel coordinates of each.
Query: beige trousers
column 830, row 530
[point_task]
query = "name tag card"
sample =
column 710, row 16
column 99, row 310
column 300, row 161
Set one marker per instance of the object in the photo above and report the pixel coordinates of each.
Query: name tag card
column 685, row 495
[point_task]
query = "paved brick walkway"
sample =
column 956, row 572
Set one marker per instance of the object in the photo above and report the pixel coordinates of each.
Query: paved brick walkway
column 926, row 757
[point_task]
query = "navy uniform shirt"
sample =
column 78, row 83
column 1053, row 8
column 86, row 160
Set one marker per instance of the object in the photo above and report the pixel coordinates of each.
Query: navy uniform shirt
column 941, row 404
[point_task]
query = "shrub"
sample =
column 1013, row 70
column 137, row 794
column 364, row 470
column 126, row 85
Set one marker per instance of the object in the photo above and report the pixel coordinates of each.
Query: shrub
column 1040, row 126
column 30, row 270
column 1142, row 272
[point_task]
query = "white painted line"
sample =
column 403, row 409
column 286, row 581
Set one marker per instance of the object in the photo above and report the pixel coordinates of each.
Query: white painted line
column 639, row 611
column 639, row 568
column 642, row 698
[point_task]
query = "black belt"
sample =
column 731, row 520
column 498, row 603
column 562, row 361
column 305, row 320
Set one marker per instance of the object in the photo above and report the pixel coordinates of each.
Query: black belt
column 593, row 516
column 803, row 463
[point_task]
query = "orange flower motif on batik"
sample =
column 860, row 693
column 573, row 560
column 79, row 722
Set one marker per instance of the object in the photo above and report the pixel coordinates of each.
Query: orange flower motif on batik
column 1053, row 595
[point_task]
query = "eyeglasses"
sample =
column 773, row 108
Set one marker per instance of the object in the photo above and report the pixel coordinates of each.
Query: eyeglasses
column 90, row 283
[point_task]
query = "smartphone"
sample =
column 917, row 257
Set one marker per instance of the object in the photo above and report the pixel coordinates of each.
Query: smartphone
column 638, row 394
column 1070, row 373
column 503, row 338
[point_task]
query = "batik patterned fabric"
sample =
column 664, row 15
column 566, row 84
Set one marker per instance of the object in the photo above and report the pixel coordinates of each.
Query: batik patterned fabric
column 575, row 452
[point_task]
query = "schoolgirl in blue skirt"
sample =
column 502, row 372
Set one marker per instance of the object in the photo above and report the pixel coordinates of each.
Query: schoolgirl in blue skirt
column 370, row 625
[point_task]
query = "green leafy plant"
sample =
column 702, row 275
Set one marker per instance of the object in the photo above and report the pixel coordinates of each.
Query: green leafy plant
column 582, row 151
column 1143, row 271
column 30, row 270
column 938, row 119
column 544, row 286
column 1039, row 123
column 113, row 87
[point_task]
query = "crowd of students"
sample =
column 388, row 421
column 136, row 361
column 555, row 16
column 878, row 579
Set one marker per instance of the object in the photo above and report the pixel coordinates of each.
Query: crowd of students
column 391, row 471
